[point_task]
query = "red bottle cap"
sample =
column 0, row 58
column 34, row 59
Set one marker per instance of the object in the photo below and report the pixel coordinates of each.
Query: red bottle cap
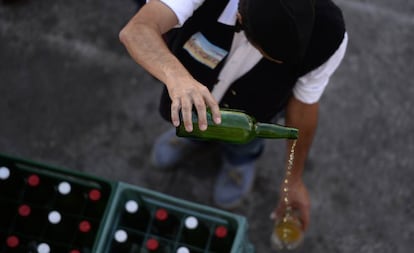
column 221, row 231
column 95, row 195
column 152, row 244
column 33, row 180
column 161, row 214
column 24, row 210
column 84, row 226
column 12, row 241
column 75, row 251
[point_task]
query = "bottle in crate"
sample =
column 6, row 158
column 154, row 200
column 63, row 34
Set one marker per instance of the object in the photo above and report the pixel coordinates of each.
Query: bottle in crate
column 165, row 224
column 13, row 244
column 85, row 236
column 60, row 228
column 194, row 232
column 69, row 198
column 8, row 211
column 30, row 221
column 222, row 240
column 135, row 215
column 153, row 245
column 11, row 183
column 96, row 202
column 43, row 248
column 126, row 242
column 182, row 249
column 39, row 190
column 120, row 241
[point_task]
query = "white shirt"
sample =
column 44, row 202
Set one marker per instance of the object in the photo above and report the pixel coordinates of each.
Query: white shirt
column 243, row 56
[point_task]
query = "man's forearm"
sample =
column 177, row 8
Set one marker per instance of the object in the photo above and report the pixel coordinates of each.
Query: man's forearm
column 305, row 118
column 143, row 41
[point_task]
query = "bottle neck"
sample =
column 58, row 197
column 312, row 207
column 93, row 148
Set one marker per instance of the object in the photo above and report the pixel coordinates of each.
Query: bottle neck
column 273, row 131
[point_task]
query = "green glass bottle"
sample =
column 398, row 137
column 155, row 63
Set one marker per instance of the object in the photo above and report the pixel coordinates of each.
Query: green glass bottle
column 236, row 127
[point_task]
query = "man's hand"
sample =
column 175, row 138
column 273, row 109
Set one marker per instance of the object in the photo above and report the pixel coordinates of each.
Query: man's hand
column 298, row 197
column 188, row 93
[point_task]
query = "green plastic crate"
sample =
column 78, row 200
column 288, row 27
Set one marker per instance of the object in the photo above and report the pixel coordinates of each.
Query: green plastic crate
column 75, row 209
column 103, row 214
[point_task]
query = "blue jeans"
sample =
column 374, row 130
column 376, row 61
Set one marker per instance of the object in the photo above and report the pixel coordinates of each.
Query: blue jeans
column 241, row 153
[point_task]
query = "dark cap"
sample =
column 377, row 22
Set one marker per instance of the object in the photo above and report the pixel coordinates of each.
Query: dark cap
column 280, row 28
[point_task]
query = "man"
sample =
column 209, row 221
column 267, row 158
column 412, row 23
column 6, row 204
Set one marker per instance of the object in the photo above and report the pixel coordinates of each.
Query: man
column 260, row 56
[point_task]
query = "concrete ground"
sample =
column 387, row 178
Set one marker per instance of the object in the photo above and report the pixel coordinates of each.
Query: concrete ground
column 71, row 96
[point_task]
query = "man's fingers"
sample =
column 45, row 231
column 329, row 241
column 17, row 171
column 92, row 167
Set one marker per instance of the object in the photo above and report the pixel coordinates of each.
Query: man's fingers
column 305, row 217
column 199, row 98
column 201, row 112
column 214, row 107
column 303, row 213
column 175, row 112
column 186, row 111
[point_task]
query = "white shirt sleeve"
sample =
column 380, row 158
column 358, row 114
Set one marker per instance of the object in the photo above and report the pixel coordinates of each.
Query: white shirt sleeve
column 183, row 9
column 310, row 87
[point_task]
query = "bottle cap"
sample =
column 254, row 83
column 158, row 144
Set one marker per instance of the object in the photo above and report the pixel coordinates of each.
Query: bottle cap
column 161, row 214
column 152, row 244
column 12, row 241
column 84, row 226
column 221, row 231
column 33, row 180
column 64, row 188
column 43, row 248
column 131, row 206
column 24, row 210
column 75, row 251
column 121, row 236
column 4, row 173
column 183, row 250
column 191, row 222
column 95, row 195
column 54, row 217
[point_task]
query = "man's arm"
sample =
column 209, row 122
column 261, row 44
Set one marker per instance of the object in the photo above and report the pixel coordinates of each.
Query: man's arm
column 142, row 37
column 305, row 118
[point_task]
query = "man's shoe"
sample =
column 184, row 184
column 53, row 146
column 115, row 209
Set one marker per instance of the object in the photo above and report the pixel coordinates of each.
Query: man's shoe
column 169, row 150
column 233, row 183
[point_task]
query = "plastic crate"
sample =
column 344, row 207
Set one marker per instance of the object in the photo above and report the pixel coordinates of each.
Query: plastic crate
column 29, row 195
column 94, row 211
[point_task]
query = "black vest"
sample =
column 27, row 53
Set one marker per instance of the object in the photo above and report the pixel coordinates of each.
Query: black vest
column 264, row 90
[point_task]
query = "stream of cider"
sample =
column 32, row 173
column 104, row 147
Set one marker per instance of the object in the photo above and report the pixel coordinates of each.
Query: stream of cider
column 288, row 230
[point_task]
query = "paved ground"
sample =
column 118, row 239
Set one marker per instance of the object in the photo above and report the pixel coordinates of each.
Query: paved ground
column 71, row 96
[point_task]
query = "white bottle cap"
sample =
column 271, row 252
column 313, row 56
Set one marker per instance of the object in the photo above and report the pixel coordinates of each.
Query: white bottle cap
column 64, row 188
column 4, row 173
column 131, row 206
column 183, row 250
column 191, row 222
column 54, row 217
column 121, row 236
column 43, row 248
